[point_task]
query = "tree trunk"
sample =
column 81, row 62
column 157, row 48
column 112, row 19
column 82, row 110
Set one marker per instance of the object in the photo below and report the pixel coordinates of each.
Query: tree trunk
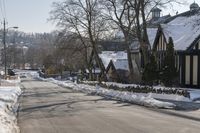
column 130, row 64
column 88, row 64
column 145, row 40
column 96, row 56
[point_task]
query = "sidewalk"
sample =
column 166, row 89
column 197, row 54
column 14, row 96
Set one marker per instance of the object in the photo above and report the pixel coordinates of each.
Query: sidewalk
column 191, row 115
column 187, row 110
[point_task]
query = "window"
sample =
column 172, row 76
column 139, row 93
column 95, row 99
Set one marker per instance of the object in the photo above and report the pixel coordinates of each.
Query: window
column 195, row 69
column 187, row 70
column 199, row 45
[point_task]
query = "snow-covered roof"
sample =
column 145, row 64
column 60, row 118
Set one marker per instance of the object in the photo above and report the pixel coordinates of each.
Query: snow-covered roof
column 156, row 21
column 183, row 30
column 121, row 64
column 106, row 56
column 156, row 9
column 151, row 32
column 119, row 34
column 95, row 71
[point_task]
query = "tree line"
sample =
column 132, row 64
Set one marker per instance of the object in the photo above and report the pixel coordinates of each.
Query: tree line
column 94, row 20
column 82, row 24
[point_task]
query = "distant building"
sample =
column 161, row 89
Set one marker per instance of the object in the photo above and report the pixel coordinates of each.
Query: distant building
column 118, row 71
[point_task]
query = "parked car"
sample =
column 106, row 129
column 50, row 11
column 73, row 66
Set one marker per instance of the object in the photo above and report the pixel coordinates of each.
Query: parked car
column 11, row 72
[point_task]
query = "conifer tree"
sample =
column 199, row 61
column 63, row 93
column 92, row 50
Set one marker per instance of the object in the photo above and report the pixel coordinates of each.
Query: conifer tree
column 150, row 74
column 169, row 69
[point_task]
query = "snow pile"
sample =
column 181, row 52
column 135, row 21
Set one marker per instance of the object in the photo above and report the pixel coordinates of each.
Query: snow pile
column 13, row 81
column 163, row 96
column 34, row 74
column 27, row 73
column 123, row 96
column 174, row 97
column 8, row 108
column 119, row 84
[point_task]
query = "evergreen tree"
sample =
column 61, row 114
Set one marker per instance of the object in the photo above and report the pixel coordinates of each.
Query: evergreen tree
column 150, row 74
column 169, row 70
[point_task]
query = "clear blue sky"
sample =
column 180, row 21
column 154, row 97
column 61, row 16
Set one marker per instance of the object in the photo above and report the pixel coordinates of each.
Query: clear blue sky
column 32, row 15
column 29, row 15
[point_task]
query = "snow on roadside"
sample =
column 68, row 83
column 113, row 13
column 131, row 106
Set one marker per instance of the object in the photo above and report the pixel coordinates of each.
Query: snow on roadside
column 14, row 81
column 123, row 96
column 173, row 97
column 120, row 85
column 27, row 73
column 8, row 108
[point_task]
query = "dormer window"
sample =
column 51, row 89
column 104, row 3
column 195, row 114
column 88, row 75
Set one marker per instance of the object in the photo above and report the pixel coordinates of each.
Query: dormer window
column 194, row 6
column 156, row 13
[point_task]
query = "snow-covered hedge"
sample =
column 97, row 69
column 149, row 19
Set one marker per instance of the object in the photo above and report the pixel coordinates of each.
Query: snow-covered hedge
column 140, row 89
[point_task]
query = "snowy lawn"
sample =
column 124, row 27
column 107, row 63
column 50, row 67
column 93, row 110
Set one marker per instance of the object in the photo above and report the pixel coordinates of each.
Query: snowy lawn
column 8, row 108
column 145, row 100
column 12, row 81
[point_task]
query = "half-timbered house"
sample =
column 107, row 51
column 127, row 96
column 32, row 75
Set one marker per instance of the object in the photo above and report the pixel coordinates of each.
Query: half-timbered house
column 184, row 29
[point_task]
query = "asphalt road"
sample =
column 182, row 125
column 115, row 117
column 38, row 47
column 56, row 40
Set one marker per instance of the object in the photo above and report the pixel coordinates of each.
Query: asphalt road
column 48, row 108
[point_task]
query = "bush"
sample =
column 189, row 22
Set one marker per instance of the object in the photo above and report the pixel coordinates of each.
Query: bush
column 150, row 74
column 51, row 70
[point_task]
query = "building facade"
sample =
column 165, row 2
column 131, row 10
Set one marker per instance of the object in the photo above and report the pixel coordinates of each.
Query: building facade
column 184, row 29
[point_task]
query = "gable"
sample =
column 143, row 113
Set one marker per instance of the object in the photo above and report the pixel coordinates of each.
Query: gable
column 110, row 67
column 160, row 43
column 151, row 32
column 195, row 45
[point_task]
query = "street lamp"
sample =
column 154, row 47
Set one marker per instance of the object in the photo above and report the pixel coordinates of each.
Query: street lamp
column 4, row 43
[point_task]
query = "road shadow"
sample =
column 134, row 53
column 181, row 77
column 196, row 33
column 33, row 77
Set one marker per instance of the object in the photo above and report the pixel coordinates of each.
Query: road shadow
column 184, row 105
column 55, row 108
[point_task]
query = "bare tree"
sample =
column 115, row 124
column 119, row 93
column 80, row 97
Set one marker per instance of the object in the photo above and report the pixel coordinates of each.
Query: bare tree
column 73, row 46
column 142, row 9
column 84, row 18
column 121, row 13
column 131, row 17
column 70, row 51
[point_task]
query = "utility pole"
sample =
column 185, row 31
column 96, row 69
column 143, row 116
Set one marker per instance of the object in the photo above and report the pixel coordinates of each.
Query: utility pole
column 4, row 44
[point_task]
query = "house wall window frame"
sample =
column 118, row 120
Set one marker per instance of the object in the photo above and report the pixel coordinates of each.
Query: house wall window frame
column 195, row 70
column 193, row 79
column 199, row 45
column 187, row 70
